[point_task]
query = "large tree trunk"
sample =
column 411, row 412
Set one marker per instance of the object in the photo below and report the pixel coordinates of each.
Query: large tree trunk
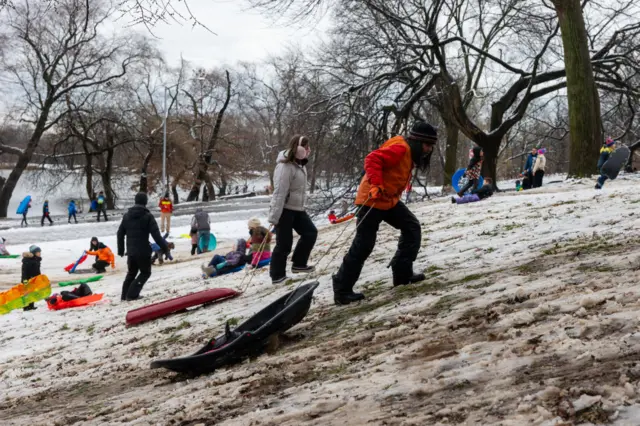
column 205, row 157
column 209, row 187
column 585, row 124
column 451, row 151
column 105, row 175
column 21, row 165
column 144, row 181
column 174, row 186
column 490, row 162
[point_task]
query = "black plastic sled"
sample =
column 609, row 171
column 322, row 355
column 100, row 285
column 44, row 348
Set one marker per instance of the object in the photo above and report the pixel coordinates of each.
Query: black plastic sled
column 249, row 338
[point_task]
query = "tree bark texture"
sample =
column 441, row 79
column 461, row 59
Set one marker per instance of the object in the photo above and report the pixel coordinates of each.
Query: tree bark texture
column 585, row 123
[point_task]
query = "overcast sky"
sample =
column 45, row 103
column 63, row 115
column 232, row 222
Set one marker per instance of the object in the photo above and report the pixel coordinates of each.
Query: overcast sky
column 242, row 34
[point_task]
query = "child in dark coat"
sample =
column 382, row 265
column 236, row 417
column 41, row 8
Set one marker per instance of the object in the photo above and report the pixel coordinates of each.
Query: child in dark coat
column 605, row 152
column 46, row 214
column 157, row 251
column 194, row 241
column 479, row 194
column 31, row 268
column 220, row 265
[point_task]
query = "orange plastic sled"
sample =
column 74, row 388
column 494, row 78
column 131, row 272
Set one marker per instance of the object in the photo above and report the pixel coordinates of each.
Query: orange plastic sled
column 82, row 301
column 344, row 218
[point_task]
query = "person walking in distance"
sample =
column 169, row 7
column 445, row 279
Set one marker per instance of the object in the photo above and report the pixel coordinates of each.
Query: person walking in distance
column 166, row 210
column 387, row 172
column 24, row 215
column 137, row 224
column 287, row 212
column 202, row 224
column 102, row 206
column 72, row 211
column 46, row 214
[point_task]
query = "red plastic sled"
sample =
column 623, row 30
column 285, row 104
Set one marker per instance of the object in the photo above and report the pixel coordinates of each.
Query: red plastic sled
column 72, row 266
column 344, row 219
column 167, row 307
column 82, row 301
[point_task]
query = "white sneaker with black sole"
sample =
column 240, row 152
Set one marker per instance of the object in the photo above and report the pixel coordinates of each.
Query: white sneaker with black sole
column 279, row 280
column 302, row 269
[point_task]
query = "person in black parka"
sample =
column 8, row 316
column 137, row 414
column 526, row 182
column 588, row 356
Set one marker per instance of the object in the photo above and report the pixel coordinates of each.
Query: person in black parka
column 137, row 224
column 31, row 268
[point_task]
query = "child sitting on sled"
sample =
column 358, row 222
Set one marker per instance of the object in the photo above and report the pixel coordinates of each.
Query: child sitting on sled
column 220, row 265
column 259, row 242
column 157, row 251
column 332, row 217
column 479, row 194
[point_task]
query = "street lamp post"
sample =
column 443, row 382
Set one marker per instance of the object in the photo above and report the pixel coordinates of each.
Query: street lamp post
column 165, row 179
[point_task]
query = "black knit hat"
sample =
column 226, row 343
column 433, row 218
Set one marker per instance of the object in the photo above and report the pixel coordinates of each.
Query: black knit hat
column 141, row 199
column 424, row 132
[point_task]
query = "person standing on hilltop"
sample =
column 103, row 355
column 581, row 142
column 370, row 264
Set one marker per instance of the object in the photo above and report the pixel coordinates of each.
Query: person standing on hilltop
column 387, row 173
column 202, row 224
column 166, row 210
column 137, row 224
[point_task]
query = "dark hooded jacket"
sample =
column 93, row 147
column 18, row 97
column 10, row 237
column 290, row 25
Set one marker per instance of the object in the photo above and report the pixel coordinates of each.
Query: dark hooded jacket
column 30, row 266
column 137, row 224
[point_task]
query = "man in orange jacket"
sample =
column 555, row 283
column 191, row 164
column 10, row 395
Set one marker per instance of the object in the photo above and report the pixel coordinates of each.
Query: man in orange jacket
column 105, row 258
column 166, row 210
column 387, row 173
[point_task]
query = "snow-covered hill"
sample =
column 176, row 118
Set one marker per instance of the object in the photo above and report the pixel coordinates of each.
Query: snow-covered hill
column 530, row 315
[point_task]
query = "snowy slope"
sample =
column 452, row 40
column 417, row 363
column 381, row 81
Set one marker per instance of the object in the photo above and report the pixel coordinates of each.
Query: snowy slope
column 530, row 315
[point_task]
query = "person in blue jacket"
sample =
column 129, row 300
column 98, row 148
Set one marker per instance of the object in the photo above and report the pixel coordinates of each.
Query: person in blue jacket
column 527, row 174
column 72, row 211
column 45, row 213
column 605, row 152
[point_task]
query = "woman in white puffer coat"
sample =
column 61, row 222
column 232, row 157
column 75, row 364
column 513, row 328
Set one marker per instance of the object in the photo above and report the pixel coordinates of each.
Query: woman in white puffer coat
column 287, row 211
column 538, row 168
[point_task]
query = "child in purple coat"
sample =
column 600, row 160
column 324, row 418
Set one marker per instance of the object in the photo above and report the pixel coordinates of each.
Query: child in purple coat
column 220, row 265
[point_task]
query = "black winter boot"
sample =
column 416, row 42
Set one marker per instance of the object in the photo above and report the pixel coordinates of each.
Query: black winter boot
column 344, row 296
column 414, row 278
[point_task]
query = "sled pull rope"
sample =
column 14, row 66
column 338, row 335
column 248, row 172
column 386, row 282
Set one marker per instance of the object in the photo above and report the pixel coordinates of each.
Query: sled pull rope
column 253, row 272
column 358, row 223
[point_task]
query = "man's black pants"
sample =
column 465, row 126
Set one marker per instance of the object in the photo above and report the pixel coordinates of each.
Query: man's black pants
column 399, row 217
column 133, row 282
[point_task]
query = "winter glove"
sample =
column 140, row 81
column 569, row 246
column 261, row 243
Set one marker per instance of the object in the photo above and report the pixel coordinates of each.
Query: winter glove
column 376, row 192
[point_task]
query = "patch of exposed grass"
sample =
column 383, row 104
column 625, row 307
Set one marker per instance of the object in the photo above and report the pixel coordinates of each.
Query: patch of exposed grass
column 65, row 326
column 512, row 226
column 563, row 203
column 91, row 329
column 595, row 268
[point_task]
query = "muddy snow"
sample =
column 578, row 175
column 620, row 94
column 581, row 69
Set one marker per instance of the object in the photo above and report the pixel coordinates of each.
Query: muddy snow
column 530, row 315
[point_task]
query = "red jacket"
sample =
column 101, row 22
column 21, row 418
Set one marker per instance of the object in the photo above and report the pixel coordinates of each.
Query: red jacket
column 166, row 206
column 388, row 167
column 332, row 218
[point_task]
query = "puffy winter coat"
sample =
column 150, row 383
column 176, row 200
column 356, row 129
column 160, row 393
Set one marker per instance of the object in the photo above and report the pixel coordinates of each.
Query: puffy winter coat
column 605, row 152
column 528, row 166
column 388, row 167
column 475, row 163
column 540, row 164
column 201, row 221
column 45, row 208
column 72, row 207
column 101, row 202
column 258, row 237
column 30, row 266
column 104, row 253
column 137, row 224
column 485, row 192
column 237, row 257
column 290, row 192
column 166, row 206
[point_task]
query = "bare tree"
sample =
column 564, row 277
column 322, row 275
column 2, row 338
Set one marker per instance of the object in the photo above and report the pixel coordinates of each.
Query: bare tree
column 56, row 53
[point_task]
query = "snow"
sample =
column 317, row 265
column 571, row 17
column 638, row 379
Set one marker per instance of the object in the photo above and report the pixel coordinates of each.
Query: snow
column 530, row 315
